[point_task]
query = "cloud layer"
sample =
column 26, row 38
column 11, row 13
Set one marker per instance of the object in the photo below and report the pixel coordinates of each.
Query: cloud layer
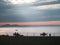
column 38, row 10
column 46, row 7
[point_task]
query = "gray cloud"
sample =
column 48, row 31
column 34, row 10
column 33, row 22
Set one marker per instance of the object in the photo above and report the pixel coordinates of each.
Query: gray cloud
column 24, row 12
column 39, row 3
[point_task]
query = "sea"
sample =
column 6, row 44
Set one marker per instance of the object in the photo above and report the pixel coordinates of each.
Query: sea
column 31, row 31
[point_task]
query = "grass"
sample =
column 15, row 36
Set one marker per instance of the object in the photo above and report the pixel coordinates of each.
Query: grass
column 29, row 40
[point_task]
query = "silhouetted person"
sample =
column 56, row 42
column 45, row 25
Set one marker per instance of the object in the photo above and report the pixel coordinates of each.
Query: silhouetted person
column 16, row 34
column 50, row 35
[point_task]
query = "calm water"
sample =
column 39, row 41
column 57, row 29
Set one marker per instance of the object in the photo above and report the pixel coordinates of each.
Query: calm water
column 30, row 30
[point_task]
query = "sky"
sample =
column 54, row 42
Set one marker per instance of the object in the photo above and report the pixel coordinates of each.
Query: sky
column 40, row 11
column 30, row 12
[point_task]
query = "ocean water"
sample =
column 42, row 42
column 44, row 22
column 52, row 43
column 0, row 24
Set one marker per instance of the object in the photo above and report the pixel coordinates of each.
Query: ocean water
column 30, row 31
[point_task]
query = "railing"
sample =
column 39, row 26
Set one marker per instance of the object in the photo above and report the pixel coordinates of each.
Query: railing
column 38, row 34
column 34, row 34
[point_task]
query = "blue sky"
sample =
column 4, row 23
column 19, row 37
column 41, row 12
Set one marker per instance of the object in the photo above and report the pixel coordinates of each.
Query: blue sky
column 29, row 10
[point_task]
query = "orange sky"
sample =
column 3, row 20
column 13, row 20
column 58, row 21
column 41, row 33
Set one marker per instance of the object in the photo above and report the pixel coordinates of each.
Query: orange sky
column 32, row 23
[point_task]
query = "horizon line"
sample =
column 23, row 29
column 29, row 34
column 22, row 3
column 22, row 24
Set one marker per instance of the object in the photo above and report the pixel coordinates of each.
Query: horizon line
column 33, row 23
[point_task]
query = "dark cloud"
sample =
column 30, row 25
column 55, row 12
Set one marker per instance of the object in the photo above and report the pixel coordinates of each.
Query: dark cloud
column 39, row 3
column 24, row 12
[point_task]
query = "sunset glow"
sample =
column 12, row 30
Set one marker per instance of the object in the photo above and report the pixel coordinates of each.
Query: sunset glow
column 32, row 23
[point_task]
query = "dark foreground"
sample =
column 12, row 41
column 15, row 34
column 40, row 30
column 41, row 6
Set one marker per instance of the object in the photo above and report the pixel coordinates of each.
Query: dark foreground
column 25, row 40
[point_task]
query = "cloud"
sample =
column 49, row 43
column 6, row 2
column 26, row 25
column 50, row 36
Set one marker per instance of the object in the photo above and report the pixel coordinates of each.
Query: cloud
column 19, row 1
column 47, row 0
column 46, row 7
column 29, row 12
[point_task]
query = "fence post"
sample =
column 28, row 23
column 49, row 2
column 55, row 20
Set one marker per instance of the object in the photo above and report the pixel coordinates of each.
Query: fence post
column 54, row 34
column 33, row 34
column 27, row 33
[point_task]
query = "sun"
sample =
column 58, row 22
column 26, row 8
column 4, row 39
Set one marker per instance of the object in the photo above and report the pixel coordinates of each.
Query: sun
column 20, row 1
